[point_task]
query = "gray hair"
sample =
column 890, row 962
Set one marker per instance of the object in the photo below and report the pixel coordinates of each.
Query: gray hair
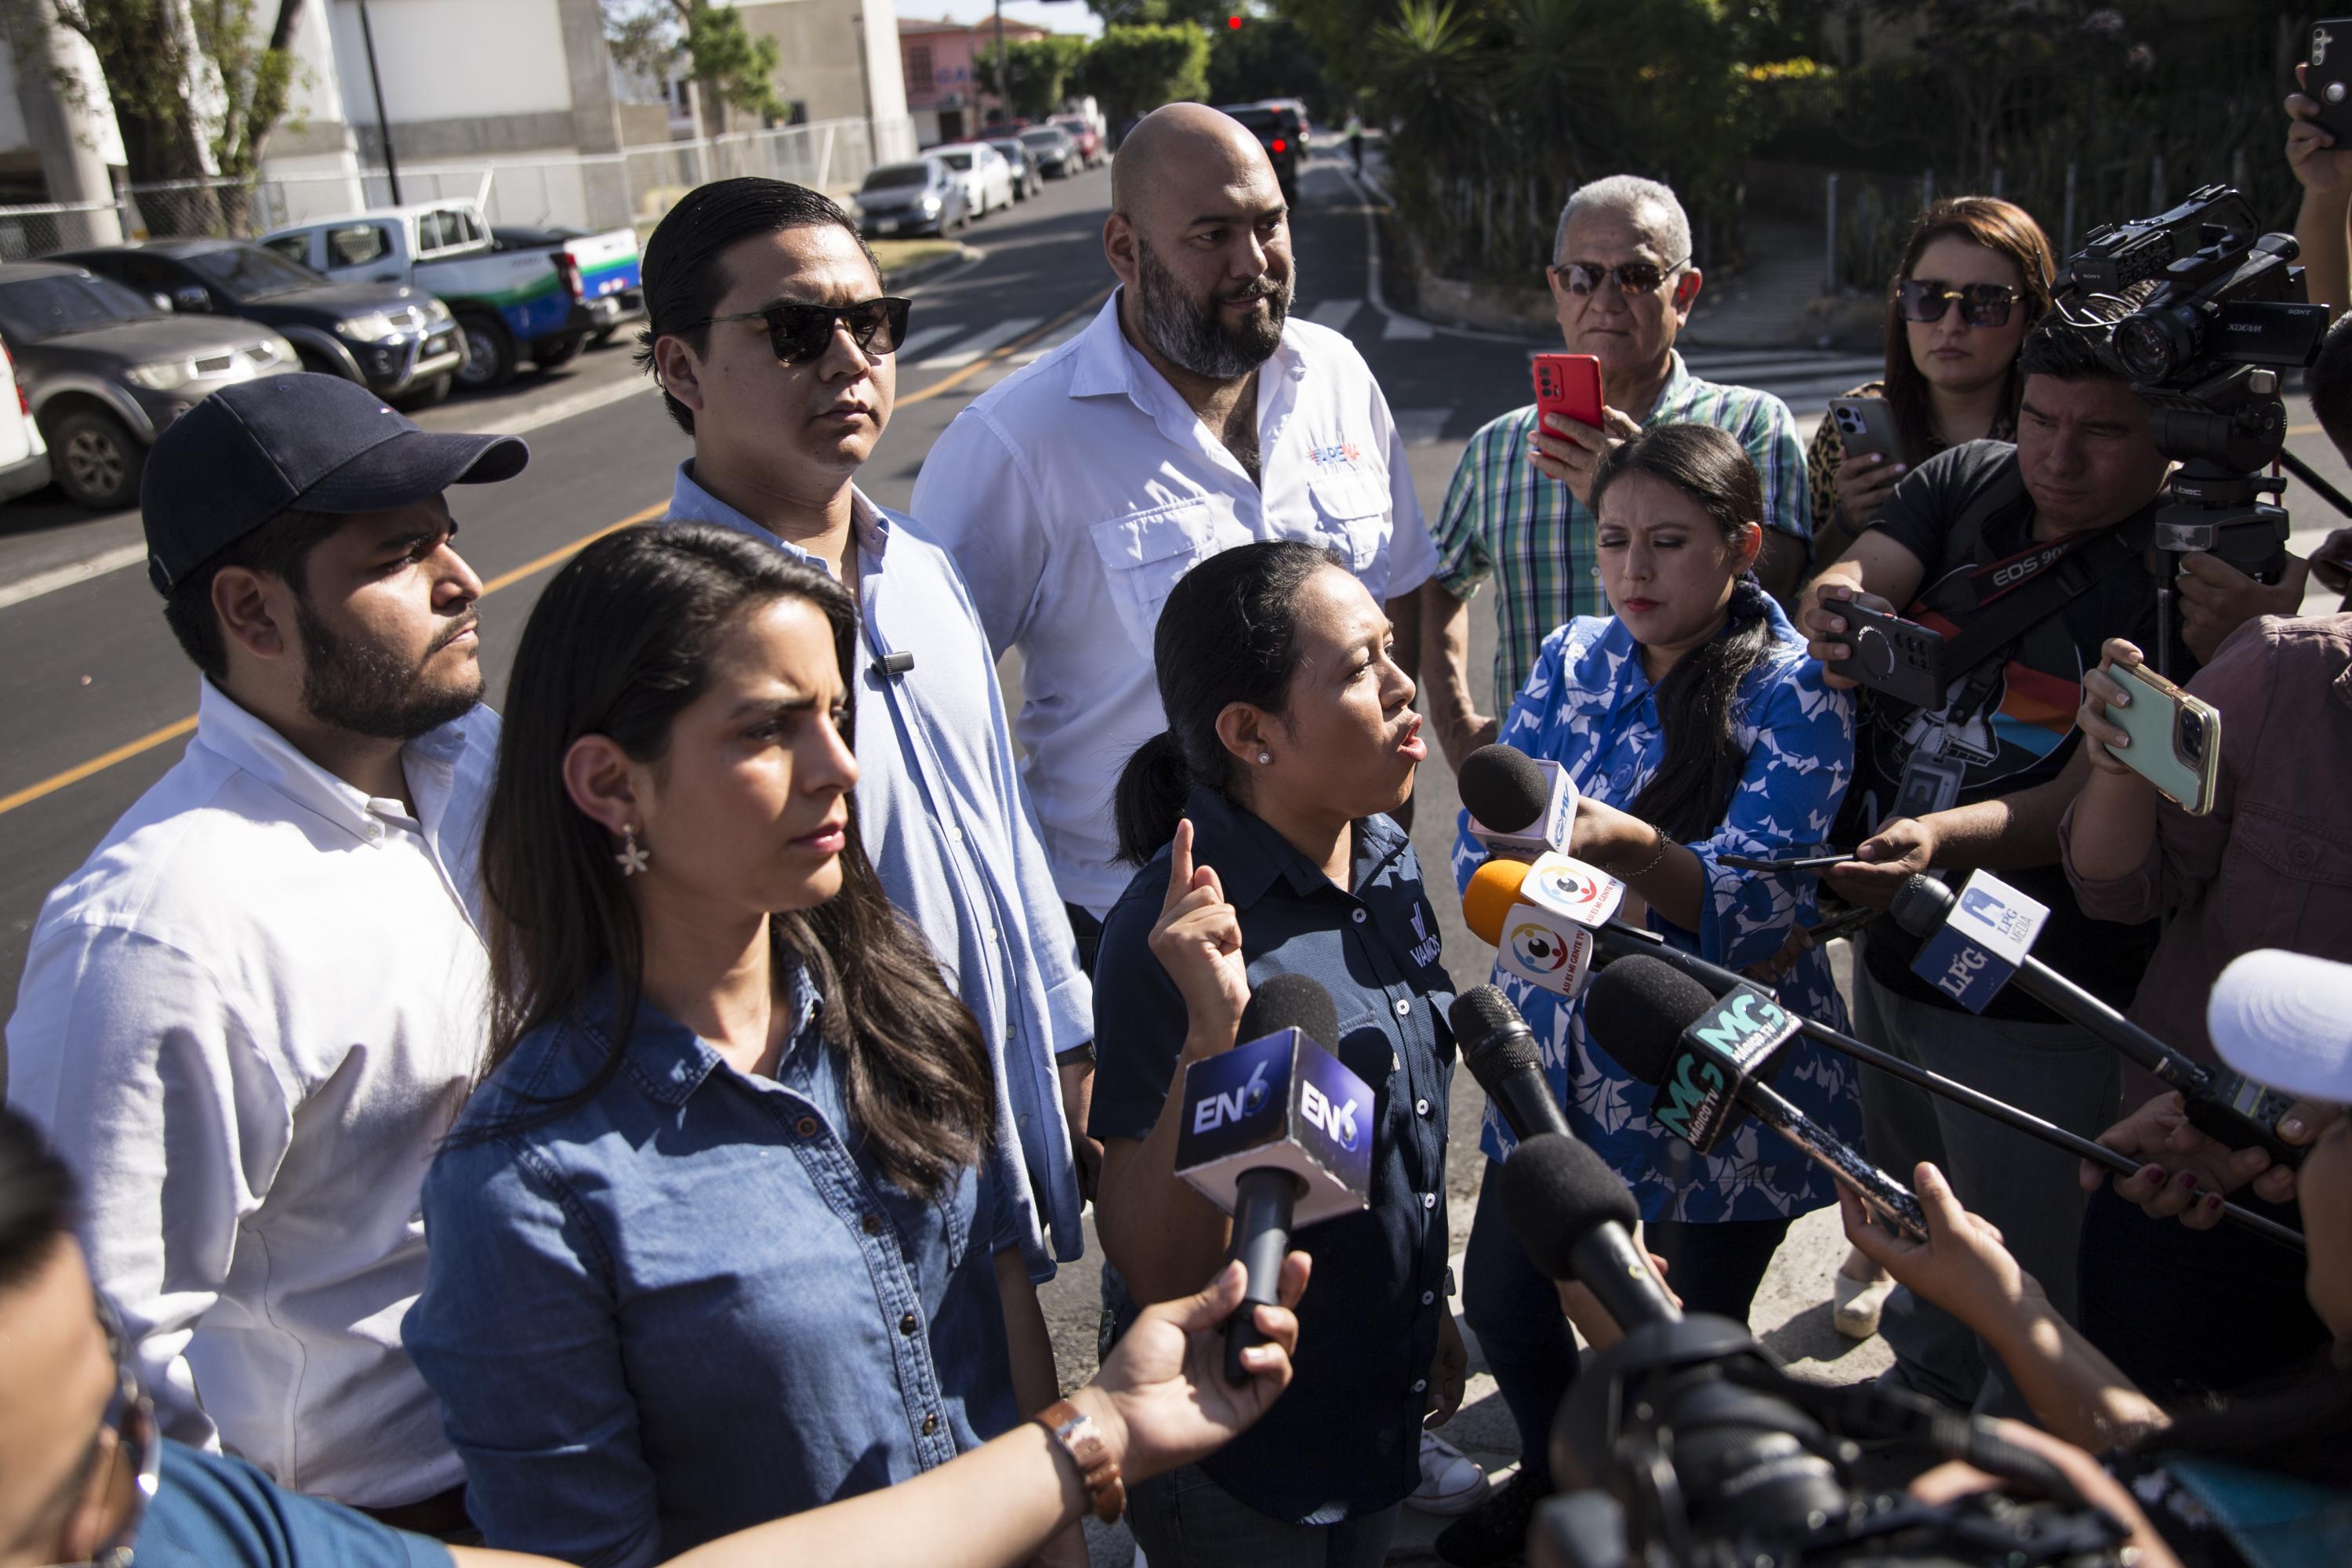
column 1653, row 204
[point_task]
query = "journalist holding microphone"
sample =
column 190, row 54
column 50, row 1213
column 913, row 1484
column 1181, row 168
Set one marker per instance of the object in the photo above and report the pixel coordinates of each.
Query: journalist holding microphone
column 1692, row 725
column 1260, row 822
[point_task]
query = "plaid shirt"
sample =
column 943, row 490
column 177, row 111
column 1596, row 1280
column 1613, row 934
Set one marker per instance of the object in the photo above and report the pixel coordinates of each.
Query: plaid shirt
column 1502, row 515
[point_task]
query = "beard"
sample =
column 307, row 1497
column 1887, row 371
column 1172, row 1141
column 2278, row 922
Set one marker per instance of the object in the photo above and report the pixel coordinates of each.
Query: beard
column 1192, row 333
column 368, row 691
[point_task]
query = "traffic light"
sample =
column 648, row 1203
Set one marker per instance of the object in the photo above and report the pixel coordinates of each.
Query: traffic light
column 1233, row 24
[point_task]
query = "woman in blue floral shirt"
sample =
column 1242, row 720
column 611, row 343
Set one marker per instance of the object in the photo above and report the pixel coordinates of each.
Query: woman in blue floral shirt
column 1694, row 726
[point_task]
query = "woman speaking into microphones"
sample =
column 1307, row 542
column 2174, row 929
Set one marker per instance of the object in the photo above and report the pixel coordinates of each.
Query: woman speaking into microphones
column 1692, row 725
column 1260, row 823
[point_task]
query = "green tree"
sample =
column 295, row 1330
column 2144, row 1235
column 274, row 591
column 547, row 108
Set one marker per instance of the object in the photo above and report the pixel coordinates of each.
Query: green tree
column 1269, row 56
column 1135, row 70
column 729, row 65
column 1157, row 13
column 1040, row 70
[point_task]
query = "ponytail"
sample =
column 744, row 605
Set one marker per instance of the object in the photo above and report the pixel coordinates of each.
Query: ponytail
column 1151, row 798
column 1692, row 788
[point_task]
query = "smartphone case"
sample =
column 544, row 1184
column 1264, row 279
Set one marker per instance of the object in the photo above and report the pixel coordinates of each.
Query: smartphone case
column 1568, row 386
column 2152, row 723
column 2328, row 82
column 1867, row 424
column 1900, row 658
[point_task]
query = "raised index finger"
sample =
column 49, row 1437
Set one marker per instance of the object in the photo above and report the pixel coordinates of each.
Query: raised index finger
column 1180, row 865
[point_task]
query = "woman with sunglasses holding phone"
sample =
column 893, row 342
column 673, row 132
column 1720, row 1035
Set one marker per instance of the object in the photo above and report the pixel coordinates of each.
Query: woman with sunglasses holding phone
column 1974, row 276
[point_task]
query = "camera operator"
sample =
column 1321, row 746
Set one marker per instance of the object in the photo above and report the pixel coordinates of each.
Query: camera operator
column 2045, row 537
column 2236, row 1482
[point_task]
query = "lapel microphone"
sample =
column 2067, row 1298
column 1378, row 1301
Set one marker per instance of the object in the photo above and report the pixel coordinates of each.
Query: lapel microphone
column 890, row 664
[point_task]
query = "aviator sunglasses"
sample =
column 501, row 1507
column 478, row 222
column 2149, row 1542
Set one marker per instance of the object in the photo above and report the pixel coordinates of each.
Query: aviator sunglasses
column 800, row 334
column 1630, row 276
column 1926, row 300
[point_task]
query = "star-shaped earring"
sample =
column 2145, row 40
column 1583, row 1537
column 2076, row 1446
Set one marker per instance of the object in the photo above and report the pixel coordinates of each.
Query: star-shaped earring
column 632, row 857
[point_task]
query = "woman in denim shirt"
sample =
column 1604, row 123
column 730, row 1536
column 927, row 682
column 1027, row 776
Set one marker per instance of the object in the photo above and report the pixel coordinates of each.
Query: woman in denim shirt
column 1694, row 726
column 708, row 1246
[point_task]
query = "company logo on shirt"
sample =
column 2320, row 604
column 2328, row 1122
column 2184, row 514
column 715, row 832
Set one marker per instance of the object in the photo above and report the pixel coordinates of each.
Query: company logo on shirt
column 1344, row 455
column 1424, row 950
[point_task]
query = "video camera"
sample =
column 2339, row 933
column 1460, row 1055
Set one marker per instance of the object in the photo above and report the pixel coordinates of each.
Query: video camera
column 2227, row 313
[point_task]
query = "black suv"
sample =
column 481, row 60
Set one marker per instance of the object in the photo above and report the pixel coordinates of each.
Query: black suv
column 1278, row 131
column 400, row 344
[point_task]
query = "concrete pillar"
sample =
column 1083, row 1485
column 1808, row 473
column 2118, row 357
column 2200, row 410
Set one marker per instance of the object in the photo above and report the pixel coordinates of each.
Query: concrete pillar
column 67, row 133
column 595, row 113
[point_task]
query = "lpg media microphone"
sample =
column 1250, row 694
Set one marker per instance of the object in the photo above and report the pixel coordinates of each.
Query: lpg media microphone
column 1974, row 943
column 1278, row 1134
column 1519, row 807
column 1708, row 1055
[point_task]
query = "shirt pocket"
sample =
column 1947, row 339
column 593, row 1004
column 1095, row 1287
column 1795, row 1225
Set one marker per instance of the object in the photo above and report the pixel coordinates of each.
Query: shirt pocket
column 2302, row 892
column 1351, row 517
column 1145, row 553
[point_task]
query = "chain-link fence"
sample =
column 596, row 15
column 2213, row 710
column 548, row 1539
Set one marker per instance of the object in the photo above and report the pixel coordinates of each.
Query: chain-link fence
column 27, row 232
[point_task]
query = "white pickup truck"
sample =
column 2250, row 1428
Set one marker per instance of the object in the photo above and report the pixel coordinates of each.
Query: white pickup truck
column 515, row 304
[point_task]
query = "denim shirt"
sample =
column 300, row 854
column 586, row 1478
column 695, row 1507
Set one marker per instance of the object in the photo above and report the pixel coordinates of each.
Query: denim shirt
column 693, row 1303
column 1345, row 1440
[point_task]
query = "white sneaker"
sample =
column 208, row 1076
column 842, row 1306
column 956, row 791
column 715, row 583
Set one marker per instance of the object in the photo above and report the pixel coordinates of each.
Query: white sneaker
column 1451, row 1480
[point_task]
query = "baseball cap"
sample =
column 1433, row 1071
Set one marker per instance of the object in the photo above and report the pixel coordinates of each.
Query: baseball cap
column 2284, row 1019
column 319, row 442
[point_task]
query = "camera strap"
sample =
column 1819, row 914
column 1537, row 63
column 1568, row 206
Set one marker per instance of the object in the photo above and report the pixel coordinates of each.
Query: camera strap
column 1990, row 609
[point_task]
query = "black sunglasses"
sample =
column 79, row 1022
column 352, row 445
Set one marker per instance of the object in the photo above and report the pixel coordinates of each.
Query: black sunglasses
column 800, row 334
column 1982, row 304
column 1630, row 276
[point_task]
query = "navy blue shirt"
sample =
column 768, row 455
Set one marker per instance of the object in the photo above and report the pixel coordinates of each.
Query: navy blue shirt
column 693, row 1304
column 215, row 1512
column 1346, row 1440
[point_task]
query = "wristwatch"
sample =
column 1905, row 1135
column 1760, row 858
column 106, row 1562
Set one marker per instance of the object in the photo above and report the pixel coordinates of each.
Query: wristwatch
column 1076, row 1431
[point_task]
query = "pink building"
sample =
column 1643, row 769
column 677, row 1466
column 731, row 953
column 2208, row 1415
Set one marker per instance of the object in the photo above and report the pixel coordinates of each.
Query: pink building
column 941, row 60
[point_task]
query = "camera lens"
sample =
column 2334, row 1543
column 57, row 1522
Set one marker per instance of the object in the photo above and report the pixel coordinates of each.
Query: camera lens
column 2152, row 345
column 2192, row 736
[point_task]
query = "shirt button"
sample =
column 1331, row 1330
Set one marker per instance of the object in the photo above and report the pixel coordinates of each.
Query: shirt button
column 1404, row 1005
column 872, row 1223
column 1420, row 1385
column 1358, row 917
column 930, row 1423
column 805, row 1127
column 1428, row 1298
column 909, row 1324
column 955, row 834
column 1421, row 1107
column 1429, row 1200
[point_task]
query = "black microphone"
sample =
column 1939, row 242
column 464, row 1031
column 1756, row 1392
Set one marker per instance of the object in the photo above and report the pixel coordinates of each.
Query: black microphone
column 1502, row 1055
column 1277, row 1133
column 1574, row 1220
column 1662, row 1027
column 1518, row 807
column 1965, row 957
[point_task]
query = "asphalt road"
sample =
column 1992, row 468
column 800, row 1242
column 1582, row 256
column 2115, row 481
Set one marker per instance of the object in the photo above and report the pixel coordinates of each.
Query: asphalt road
column 96, row 699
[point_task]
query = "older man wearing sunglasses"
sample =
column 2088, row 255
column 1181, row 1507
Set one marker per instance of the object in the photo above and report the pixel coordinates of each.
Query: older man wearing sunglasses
column 1623, row 281
column 773, row 343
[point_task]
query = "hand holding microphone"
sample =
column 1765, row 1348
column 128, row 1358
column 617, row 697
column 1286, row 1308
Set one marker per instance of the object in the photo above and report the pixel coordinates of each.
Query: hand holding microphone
column 1961, row 1264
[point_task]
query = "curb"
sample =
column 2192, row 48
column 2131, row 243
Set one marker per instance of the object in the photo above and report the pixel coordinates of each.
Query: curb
column 1378, row 296
column 923, row 271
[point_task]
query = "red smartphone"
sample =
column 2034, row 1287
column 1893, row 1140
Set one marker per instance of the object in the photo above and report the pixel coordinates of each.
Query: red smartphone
column 1569, row 386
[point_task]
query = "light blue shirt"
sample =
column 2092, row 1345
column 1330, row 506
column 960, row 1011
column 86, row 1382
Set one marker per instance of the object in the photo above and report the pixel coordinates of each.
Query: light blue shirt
column 941, row 809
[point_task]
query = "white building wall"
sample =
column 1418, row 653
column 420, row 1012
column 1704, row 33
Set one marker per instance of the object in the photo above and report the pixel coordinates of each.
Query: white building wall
column 450, row 60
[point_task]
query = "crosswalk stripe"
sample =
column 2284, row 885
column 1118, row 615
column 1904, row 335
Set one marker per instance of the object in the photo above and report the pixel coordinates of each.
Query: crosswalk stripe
column 1334, row 313
column 1407, row 329
column 971, row 348
column 918, row 341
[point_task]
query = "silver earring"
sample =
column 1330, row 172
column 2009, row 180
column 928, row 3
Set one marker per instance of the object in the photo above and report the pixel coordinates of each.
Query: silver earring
column 633, row 856
column 1265, row 757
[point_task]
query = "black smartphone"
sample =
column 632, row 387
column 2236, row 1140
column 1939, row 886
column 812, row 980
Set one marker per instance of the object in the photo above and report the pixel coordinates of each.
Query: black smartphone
column 1793, row 863
column 1900, row 658
column 2328, row 82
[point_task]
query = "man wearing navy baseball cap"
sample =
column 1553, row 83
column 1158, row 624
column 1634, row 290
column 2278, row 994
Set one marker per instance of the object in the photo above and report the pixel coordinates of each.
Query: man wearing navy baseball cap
column 249, row 1016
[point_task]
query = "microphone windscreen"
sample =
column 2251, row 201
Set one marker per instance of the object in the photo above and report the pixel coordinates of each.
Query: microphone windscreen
column 1920, row 905
column 1637, row 1011
column 1493, row 1036
column 1493, row 889
column 1291, row 1002
column 1504, row 789
column 1555, row 1190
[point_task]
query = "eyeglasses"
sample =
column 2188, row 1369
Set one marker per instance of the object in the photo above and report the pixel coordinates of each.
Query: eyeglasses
column 1926, row 300
column 138, row 1450
column 800, row 334
column 1630, row 276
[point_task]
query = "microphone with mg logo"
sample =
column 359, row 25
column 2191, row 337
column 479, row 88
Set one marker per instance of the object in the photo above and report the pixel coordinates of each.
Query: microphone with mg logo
column 1278, row 1134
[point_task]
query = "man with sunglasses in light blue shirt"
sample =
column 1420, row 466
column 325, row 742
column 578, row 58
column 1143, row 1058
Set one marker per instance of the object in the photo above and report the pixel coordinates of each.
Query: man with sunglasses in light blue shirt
column 773, row 346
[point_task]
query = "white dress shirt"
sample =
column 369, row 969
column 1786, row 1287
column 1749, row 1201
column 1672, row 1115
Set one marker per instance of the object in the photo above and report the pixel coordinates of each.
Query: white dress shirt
column 245, row 1022
column 1076, row 491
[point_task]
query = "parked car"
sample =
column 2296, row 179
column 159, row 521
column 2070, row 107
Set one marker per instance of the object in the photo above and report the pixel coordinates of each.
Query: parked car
column 987, row 179
column 1055, row 150
column 108, row 371
column 1297, row 108
column 910, row 198
column 513, row 305
column 399, row 343
column 1085, row 134
column 608, row 280
column 24, row 456
column 1026, row 179
column 1277, row 131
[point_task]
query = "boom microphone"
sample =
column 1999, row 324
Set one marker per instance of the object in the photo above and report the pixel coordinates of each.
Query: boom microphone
column 1518, row 806
column 1574, row 1220
column 1502, row 1055
column 1664, row 1027
column 1974, row 943
column 1277, row 1133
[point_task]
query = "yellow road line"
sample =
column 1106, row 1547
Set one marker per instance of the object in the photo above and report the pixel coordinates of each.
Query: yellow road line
column 173, row 731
